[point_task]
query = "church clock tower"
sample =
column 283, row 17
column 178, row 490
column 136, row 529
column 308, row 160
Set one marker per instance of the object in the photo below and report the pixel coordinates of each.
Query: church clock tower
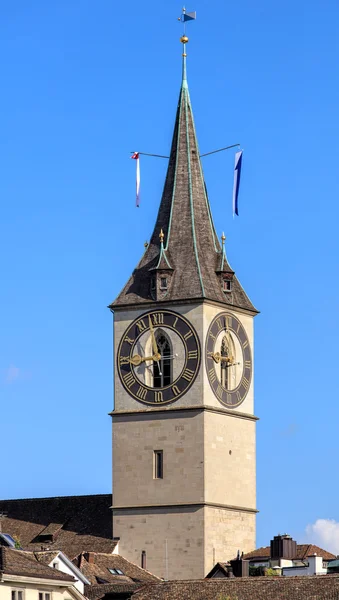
column 183, row 423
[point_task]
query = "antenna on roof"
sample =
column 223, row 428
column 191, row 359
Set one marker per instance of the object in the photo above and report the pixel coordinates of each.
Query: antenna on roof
column 3, row 516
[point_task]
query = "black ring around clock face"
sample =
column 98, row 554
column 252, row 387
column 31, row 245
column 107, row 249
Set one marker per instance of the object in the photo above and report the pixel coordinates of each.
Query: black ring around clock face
column 231, row 398
column 129, row 348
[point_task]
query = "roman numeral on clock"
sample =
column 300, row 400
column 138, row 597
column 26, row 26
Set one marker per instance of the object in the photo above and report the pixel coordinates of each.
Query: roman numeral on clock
column 158, row 397
column 211, row 374
column 129, row 340
column 175, row 390
column 141, row 325
column 158, row 318
column 188, row 335
column 192, row 354
column 245, row 383
column 188, row 374
column 123, row 360
column 247, row 364
column 142, row 392
column 129, row 380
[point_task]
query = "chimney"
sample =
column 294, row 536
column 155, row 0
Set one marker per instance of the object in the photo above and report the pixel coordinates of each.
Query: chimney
column 240, row 567
column 90, row 557
column 283, row 546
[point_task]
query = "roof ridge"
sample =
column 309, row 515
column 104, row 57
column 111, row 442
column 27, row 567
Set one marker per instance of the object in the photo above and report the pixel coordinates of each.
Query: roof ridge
column 54, row 497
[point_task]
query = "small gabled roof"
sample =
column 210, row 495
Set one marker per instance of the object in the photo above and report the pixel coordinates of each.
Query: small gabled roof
column 97, row 568
column 19, row 562
column 303, row 552
column 222, row 567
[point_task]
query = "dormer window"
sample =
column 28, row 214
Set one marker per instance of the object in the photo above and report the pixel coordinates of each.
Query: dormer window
column 153, row 284
column 226, row 285
column 163, row 283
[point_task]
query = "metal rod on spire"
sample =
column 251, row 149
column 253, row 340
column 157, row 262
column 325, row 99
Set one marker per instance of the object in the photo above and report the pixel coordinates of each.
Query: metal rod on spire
column 185, row 16
column 220, row 150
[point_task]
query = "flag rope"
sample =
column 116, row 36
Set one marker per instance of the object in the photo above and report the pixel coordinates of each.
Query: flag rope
column 201, row 155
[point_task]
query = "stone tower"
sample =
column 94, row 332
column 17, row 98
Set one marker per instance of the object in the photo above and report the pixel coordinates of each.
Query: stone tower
column 184, row 461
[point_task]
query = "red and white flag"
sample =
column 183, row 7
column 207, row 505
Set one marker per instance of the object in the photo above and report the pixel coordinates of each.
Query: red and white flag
column 135, row 155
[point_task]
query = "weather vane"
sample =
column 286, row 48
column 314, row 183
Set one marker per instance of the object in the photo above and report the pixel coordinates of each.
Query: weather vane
column 187, row 16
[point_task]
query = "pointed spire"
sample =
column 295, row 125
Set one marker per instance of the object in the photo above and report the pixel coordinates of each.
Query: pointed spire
column 191, row 251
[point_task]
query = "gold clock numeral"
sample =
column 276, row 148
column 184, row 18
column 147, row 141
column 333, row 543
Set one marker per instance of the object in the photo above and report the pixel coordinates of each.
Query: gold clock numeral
column 219, row 323
column 212, row 336
column 158, row 397
column 141, row 325
column 129, row 380
column 219, row 391
column 238, row 328
column 239, row 396
column 228, row 320
column 158, row 318
column 175, row 322
column 212, row 376
column 245, row 344
column 245, row 383
column 192, row 354
column 142, row 392
column 188, row 374
column 123, row 360
column 210, row 354
column 229, row 399
column 247, row 364
column 129, row 340
column 175, row 390
column 188, row 335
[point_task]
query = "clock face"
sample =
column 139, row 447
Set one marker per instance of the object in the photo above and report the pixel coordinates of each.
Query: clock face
column 228, row 360
column 158, row 357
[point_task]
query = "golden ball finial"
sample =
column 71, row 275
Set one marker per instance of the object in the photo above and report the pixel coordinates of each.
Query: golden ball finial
column 184, row 39
column 223, row 238
column 161, row 236
column 146, row 245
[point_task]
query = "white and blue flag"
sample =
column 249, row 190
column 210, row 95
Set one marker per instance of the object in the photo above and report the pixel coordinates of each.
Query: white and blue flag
column 236, row 183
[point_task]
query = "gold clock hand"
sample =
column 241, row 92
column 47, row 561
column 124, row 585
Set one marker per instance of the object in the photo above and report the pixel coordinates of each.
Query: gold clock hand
column 154, row 344
column 136, row 359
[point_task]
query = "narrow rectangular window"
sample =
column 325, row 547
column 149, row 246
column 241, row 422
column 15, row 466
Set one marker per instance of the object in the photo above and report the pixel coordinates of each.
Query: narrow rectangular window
column 158, row 464
column 143, row 559
column 163, row 283
column 226, row 285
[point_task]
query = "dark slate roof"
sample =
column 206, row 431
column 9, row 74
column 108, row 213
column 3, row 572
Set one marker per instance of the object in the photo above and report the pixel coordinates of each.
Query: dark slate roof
column 191, row 246
column 72, row 524
column 303, row 551
column 111, row 590
column 95, row 566
column 18, row 562
column 316, row 587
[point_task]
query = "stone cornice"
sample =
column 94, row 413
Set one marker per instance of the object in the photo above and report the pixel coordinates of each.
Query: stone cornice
column 197, row 408
column 151, row 305
column 187, row 505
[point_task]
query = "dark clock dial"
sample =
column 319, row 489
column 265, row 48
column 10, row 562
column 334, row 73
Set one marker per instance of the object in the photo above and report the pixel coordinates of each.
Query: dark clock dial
column 228, row 359
column 158, row 357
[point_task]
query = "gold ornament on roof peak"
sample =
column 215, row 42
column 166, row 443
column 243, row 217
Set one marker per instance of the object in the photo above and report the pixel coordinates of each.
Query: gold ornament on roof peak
column 184, row 39
column 223, row 238
column 161, row 236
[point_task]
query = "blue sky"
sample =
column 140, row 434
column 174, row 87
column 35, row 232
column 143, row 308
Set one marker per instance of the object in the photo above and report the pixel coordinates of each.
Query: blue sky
column 85, row 83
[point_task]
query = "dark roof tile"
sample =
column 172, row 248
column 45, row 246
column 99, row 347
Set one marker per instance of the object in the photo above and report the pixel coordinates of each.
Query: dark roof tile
column 82, row 523
column 19, row 562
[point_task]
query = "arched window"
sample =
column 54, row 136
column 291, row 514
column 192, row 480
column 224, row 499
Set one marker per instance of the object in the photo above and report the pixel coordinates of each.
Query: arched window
column 227, row 350
column 162, row 370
